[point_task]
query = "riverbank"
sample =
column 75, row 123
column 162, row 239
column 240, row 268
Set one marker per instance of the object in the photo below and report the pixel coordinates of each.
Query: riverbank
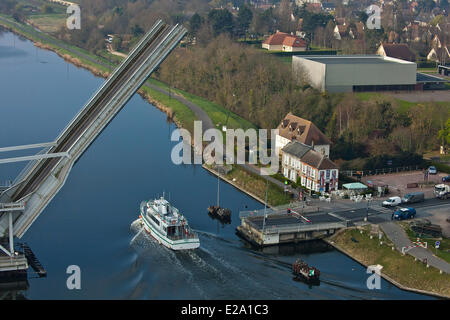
column 402, row 271
column 181, row 114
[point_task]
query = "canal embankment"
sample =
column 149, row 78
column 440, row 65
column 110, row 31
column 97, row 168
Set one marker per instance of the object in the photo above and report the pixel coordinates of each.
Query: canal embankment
column 403, row 271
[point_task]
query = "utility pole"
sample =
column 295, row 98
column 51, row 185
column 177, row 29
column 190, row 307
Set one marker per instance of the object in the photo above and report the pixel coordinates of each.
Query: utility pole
column 265, row 206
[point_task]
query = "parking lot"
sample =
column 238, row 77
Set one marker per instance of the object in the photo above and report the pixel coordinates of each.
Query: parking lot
column 398, row 182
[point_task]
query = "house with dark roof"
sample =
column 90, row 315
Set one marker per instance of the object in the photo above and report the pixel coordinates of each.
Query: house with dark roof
column 439, row 54
column 396, row 50
column 281, row 41
column 293, row 128
column 314, row 170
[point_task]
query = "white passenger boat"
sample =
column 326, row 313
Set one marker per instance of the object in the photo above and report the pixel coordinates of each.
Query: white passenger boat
column 167, row 225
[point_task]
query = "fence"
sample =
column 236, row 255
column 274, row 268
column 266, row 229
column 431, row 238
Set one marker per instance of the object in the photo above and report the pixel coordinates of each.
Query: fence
column 362, row 173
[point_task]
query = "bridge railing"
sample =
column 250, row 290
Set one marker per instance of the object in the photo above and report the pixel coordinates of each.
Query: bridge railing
column 363, row 173
column 29, row 167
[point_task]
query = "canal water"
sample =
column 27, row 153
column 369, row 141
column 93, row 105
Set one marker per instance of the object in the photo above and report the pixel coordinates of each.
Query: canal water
column 91, row 221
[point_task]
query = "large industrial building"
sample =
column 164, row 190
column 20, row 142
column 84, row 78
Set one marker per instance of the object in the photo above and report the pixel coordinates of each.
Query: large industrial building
column 354, row 73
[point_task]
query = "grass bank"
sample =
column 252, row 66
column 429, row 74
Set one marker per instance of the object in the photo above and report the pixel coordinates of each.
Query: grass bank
column 404, row 270
column 218, row 114
column 256, row 185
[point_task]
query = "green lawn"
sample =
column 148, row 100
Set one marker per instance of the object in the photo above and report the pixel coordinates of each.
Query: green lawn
column 182, row 113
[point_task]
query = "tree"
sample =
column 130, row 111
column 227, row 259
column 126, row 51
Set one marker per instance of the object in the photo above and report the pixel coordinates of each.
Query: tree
column 221, row 21
column 136, row 30
column 244, row 18
column 195, row 23
column 444, row 134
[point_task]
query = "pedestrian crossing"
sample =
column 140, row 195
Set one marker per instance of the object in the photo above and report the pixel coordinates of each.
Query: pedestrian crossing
column 381, row 209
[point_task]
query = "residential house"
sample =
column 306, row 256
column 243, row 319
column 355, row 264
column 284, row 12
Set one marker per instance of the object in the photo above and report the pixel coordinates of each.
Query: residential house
column 440, row 55
column 281, row 41
column 352, row 31
column 293, row 128
column 314, row 170
column 396, row 50
column 439, row 52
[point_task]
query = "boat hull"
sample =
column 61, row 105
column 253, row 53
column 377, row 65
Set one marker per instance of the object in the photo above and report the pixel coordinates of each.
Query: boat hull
column 183, row 244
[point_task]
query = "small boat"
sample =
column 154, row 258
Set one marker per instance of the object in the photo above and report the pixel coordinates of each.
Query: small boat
column 223, row 214
column 216, row 212
column 301, row 270
column 167, row 225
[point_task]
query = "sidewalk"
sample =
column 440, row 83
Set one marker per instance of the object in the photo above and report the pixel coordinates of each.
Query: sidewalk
column 398, row 236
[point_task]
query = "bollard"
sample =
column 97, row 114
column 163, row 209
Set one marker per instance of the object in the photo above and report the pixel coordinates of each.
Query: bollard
column 371, row 237
column 392, row 248
column 428, row 265
column 381, row 243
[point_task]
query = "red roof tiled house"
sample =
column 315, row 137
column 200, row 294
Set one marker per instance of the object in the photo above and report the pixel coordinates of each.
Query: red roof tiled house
column 281, row 41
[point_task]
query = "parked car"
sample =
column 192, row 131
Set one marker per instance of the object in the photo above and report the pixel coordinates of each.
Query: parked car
column 414, row 197
column 432, row 170
column 404, row 213
column 392, row 202
column 446, row 179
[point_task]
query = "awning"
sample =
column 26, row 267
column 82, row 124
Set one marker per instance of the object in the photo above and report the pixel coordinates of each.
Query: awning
column 354, row 186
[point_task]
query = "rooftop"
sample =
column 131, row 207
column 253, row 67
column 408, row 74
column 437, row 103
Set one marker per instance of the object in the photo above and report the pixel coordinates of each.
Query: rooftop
column 304, row 131
column 308, row 155
column 353, row 59
column 422, row 77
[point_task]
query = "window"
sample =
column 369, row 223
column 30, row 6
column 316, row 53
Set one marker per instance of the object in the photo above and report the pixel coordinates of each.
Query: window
column 293, row 175
column 303, row 181
column 285, row 172
column 313, row 173
column 154, row 220
column 304, row 168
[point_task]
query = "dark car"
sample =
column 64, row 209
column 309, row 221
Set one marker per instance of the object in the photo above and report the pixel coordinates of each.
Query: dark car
column 404, row 213
column 446, row 179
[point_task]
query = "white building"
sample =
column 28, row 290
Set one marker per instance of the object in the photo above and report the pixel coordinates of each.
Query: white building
column 350, row 73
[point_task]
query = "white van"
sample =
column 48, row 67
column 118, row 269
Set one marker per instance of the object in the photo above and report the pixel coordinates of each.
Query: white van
column 392, row 202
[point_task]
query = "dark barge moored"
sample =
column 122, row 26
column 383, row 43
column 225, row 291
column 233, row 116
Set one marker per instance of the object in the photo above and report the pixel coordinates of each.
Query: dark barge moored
column 302, row 271
column 222, row 214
